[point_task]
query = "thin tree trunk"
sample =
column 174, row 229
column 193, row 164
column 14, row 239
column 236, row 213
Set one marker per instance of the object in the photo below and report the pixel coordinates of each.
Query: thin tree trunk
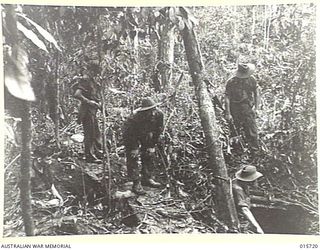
column 253, row 27
column 57, row 107
column 25, row 189
column 268, row 26
column 223, row 197
column 236, row 33
column 267, row 18
column 24, row 106
column 166, row 53
column 106, row 157
column 135, row 44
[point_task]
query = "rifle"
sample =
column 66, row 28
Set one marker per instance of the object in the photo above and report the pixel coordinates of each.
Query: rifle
column 233, row 127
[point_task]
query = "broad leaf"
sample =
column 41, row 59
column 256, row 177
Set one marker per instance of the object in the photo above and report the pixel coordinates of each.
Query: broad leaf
column 32, row 36
column 43, row 32
column 17, row 77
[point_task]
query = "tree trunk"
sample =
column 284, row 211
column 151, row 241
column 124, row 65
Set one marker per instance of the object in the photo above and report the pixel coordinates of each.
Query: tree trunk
column 166, row 53
column 24, row 108
column 25, row 189
column 267, row 18
column 236, row 35
column 135, row 45
column 57, row 102
column 253, row 27
column 268, row 26
column 106, row 157
column 223, row 197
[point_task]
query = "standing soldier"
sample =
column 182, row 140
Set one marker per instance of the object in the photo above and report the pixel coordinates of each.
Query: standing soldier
column 87, row 91
column 241, row 96
column 141, row 133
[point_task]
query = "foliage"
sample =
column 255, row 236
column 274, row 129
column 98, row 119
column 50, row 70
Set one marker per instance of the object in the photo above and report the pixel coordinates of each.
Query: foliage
column 278, row 39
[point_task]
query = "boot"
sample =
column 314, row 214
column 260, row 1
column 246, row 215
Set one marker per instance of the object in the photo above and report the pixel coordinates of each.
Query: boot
column 137, row 188
column 151, row 183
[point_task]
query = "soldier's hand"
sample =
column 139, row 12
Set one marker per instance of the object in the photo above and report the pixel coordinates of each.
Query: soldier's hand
column 94, row 104
column 150, row 135
column 134, row 153
column 151, row 151
column 161, row 138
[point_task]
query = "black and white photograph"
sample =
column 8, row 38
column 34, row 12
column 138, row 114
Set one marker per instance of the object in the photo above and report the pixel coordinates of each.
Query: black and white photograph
column 160, row 120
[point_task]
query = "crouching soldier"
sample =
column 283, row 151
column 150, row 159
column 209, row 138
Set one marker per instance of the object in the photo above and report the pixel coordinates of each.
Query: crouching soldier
column 140, row 135
column 246, row 177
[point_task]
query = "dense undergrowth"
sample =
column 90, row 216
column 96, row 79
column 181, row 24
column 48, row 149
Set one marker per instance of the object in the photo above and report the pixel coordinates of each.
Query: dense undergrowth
column 285, row 60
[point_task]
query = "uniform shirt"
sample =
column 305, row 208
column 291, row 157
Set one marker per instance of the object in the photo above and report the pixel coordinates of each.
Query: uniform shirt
column 240, row 196
column 241, row 89
column 90, row 90
column 138, row 127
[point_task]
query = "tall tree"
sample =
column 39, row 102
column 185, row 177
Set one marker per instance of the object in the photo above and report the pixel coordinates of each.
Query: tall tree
column 17, row 80
column 166, row 45
column 224, row 200
column 18, row 84
column 57, row 102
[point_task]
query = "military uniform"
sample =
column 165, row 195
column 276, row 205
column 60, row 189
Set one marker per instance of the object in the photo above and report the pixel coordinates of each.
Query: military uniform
column 240, row 195
column 245, row 177
column 141, row 132
column 240, row 92
column 241, row 199
column 87, row 116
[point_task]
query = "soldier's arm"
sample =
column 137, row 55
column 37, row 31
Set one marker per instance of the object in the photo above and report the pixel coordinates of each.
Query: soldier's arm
column 227, row 107
column 130, row 138
column 79, row 95
column 159, row 128
column 227, row 101
column 161, row 122
column 246, row 211
column 256, row 93
column 242, row 203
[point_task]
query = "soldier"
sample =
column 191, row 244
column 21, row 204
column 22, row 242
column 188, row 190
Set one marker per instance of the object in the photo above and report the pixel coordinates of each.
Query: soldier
column 141, row 133
column 87, row 91
column 245, row 178
column 241, row 96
